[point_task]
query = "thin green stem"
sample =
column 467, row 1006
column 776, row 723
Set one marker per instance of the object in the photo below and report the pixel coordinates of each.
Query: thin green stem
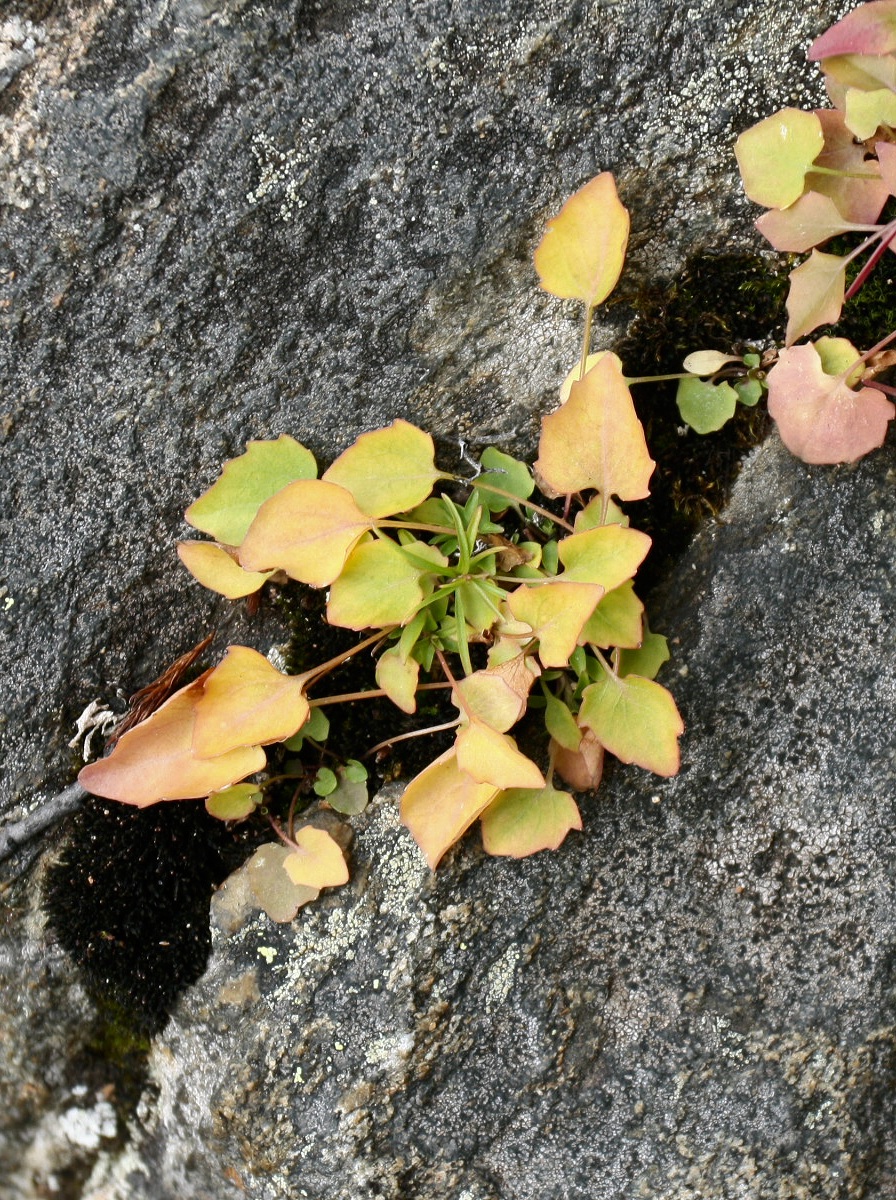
column 658, row 378
column 842, row 174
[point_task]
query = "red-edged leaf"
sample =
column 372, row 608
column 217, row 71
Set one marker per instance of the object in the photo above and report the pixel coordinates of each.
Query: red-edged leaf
column 820, row 418
column 635, row 719
column 857, row 199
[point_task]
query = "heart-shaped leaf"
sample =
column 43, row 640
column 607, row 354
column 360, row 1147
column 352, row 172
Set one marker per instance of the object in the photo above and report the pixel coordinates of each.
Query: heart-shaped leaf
column 388, row 470
column 595, row 439
column 821, row 419
column 317, row 860
column 522, row 821
column 235, row 802
column 705, row 406
column 775, row 155
column 307, row 530
column 582, row 252
column 228, row 508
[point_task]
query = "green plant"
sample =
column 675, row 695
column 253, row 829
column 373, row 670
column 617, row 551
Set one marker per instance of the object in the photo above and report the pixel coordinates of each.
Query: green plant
column 462, row 584
column 822, row 175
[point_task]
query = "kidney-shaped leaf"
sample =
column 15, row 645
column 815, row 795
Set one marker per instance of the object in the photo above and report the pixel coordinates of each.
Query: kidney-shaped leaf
column 595, row 439
column 522, row 821
column 635, row 719
column 775, row 155
column 820, row 418
column 307, row 530
column 154, row 761
column 228, row 508
column 388, row 470
column 582, row 252
column 247, row 702
column 317, row 860
column 441, row 803
column 217, row 570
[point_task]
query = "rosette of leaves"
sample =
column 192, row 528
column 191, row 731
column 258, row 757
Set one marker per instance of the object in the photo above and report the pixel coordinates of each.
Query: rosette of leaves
column 470, row 585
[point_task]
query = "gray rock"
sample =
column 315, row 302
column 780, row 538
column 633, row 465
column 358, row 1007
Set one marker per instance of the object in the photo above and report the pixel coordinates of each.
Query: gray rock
column 693, row 998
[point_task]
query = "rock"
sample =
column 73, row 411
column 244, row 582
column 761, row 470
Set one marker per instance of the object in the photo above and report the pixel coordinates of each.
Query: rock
column 693, row 998
column 223, row 220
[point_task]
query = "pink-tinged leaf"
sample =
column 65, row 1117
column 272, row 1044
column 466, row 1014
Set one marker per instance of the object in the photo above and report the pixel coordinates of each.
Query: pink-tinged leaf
column 441, row 804
column 272, row 888
column 635, row 719
column 573, row 375
column 388, row 470
column 582, row 768
column 816, row 294
column 307, row 530
column 775, row 155
column 488, row 696
column 317, row 860
column 859, row 200
column 607, row 555
column 522, row 821
column 581, row 254
column 886, row 156
column 556, row 613
column 595, row 439
column 809, row 222
column 866, row 112
column 217, row 569
column 154, row 761
column 247, row 702
column 491, row 757
column 870, row 29
column 820, row 418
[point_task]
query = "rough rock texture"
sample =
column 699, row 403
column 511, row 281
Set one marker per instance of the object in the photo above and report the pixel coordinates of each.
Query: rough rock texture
column 222, row 219
column 692, row 999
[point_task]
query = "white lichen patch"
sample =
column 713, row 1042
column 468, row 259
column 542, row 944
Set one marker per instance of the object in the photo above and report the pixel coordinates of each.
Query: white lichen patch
column 86, row 1127
column 500, row 978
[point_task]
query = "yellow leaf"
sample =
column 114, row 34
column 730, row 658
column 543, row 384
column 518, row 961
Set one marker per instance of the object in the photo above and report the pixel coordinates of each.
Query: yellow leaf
column 581, row 254
column 608, row 555
column 307, row 530
column 247, row 702
column 617, row 621
column 378, row 586
column 388, row 470
column 491, row 698
column 817, row 288
column 154, row 761
column 595, row 440
column 317, row 861
column 441, row 803
column 218, row 570
column 591, row 361
column 556, row 612
column 522, row 821
column 492, row 757
column 398, row 678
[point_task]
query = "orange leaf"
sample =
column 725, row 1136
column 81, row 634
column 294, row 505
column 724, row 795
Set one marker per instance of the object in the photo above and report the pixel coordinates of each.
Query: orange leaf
column 317, row 861
column 219, row 571
column 154, row 761
column 816, row 294
column 595, row 439
column 492, row 757
column 247, row 702
column 441, row 803
column 582, row 768
column 581, row 254
column 556, row 613
column 307, row 530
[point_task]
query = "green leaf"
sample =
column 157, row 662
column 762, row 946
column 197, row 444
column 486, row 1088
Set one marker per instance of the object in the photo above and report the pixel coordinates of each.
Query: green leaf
column 560, row 723
column 582, row 252
column 506, row 473
column 378, row 586
column 350, row 796
column 635, row 719
column 522, row 821
column 228, row 508
column 775, row 155
column 617, row 620
column 234, row 803
column 608, row 555
column 556, row 613
column 749, row 392
column 317, row 727
column 647, row 659
column 325, row 782
column 705, row 406
column 387, row 470
column 354, row 771
column 752, row 360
